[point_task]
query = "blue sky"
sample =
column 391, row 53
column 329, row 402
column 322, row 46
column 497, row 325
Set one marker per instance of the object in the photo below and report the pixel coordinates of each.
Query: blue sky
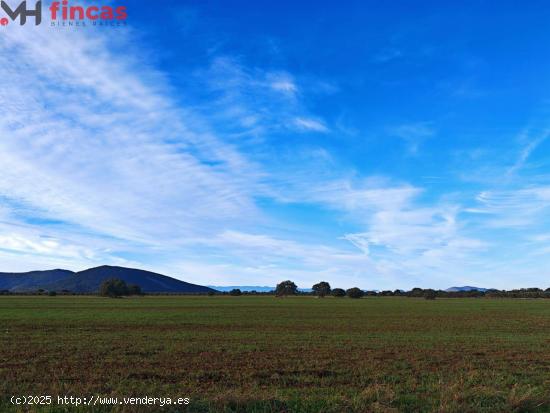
column 363, row 143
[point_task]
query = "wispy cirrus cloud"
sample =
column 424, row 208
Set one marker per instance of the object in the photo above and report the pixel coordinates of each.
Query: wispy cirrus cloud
column 104, row 165
column 399, row 235
column 525, row 207
column 401, row 232
column 102, row 145
column 254, row 100
column 313, row 125
column 414, row 134
column 531, row 145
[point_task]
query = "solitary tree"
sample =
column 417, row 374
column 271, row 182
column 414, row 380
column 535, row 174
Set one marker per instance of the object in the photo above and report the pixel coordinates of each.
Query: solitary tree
column 321, row 289
column 235, row 291
column 355, row 292
column 113, row 287
column 286, row 288
column 338, row 292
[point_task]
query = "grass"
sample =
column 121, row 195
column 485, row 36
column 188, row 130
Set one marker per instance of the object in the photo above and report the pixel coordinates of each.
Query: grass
column 263, row 354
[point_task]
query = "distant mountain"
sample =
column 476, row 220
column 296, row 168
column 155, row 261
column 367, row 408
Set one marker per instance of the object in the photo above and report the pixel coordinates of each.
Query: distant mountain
column 33, row 280
column 260, row 289
column 257, row 288
column 89, row 281
column 466, row 288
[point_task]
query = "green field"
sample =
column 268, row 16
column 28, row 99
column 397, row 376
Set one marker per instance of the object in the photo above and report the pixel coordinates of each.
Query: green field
column 266, row 354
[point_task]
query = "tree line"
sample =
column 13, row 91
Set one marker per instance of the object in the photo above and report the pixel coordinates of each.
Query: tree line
column 323, row 289
column 115, row 287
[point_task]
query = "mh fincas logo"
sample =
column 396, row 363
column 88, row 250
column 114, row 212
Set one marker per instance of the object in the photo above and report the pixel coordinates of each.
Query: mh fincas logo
column 59, row 10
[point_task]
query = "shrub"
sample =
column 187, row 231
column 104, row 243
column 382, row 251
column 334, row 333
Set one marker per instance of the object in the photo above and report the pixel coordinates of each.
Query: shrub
column 286, row 288
column 52, row 293
column 338, row 292
column 355, row 293
column 321, row 289
column 113, row 287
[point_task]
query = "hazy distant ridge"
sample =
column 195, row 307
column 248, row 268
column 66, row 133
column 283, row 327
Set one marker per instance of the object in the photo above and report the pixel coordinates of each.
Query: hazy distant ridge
column 88, row 281
column 466, row 288
column 260, row 289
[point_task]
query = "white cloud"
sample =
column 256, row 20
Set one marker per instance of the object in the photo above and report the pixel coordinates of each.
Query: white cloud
column 415, row 240
column 271, row 98
column 523, row 207
column 95, row 142
column 256, row 256
column 16, row 242
column 310, row 125
column 413, row 133
column 283, row 83
column 401, row 237
column 527, row 150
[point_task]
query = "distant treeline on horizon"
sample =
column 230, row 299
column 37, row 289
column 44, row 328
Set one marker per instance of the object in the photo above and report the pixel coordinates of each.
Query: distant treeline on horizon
column 336, row 292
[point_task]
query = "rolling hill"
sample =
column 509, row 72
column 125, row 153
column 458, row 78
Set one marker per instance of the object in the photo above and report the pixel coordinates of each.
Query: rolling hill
column 227, row 288
column 466, row 288
column 88, row 281
column 257, row 288
column 31, row 281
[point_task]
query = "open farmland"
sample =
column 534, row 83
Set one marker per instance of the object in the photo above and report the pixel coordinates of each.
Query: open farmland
column 265, row 354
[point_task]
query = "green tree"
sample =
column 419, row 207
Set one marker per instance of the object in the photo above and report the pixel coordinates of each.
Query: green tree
column 338, row 292
column 355, row 292
column 321, row 289
column 235, row 292
column 113, row 287
column 286, row 288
